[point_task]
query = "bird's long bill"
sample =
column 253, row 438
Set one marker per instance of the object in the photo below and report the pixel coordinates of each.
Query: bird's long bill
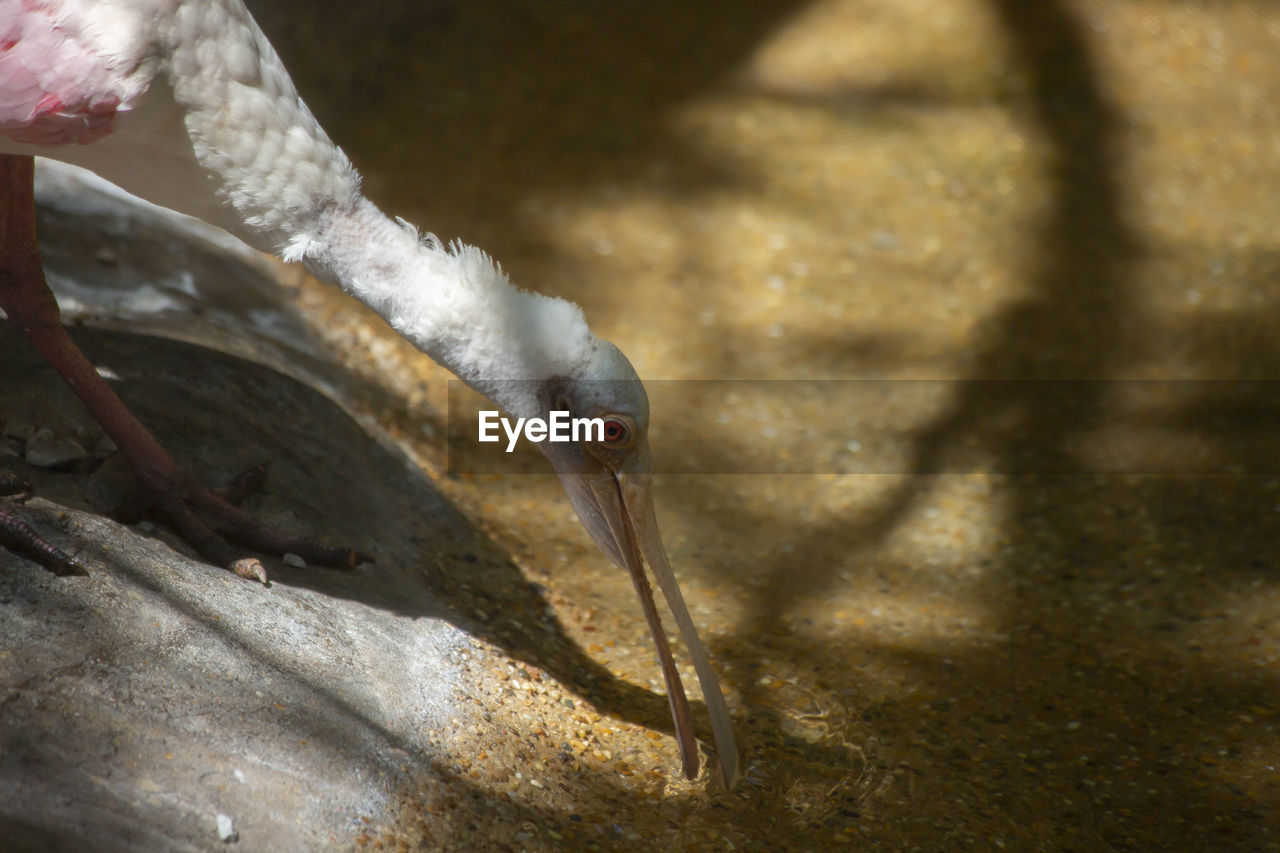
column 617, row 510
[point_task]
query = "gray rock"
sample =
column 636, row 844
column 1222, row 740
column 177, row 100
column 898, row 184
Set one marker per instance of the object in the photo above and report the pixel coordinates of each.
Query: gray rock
column 103, row 448
column 46, row 450
column 135, row 701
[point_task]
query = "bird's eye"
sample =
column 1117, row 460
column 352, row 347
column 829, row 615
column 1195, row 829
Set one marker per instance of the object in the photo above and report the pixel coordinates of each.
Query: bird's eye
column 615, row 431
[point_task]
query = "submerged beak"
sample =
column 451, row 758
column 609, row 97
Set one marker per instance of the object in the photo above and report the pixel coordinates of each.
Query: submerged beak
column 616, row 507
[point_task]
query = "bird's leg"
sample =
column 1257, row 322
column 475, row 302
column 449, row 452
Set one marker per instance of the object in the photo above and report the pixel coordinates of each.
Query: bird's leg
column 27, row 300
column 136, row 504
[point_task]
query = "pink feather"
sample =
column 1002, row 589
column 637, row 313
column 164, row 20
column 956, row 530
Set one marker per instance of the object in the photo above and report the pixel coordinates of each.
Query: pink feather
column 53, row 88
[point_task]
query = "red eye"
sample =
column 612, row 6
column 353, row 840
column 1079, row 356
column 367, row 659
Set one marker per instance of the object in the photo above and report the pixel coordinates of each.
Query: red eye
column 614, row 431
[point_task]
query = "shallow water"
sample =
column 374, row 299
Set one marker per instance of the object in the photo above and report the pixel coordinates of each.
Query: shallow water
column 1047, row 618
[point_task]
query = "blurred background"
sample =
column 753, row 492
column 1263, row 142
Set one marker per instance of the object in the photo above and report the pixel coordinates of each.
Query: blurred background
column 1008, row 637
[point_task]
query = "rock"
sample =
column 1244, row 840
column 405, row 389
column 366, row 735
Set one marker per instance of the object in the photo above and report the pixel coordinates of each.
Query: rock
column 46, row 450
column 103, row 448
column 141, row 691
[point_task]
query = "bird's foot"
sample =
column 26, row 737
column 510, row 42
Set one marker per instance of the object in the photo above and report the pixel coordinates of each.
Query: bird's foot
column 202, row 516
column 19, row 536
column 210, row 521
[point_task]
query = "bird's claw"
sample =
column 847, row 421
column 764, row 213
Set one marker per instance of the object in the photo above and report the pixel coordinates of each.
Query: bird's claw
column 20, row 537
column 15, row 484
column 250, row 568
column 179, row 508
column 209, row 521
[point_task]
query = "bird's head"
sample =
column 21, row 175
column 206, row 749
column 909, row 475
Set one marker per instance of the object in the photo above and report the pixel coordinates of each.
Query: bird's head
column 607, row 476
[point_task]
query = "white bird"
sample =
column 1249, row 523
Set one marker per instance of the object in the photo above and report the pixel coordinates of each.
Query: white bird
column 185, row 103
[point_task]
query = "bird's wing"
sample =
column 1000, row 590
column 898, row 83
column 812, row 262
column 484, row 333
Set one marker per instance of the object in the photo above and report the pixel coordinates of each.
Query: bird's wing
column 57, row 84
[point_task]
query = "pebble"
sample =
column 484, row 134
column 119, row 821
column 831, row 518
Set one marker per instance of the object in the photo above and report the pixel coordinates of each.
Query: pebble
column 226, row 830
column 885, row 240
column 294, row 561
column 104, row 448
column 45, row 450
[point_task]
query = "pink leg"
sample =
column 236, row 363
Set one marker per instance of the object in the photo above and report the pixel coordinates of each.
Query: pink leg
column 26, row 298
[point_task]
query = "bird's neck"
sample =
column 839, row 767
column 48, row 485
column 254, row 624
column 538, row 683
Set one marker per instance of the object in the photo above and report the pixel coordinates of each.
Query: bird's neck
column 452, row 302
column 266, row 157
column 294, row 192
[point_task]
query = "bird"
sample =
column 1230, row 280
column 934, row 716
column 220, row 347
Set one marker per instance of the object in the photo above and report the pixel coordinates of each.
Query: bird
column 186, row 104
